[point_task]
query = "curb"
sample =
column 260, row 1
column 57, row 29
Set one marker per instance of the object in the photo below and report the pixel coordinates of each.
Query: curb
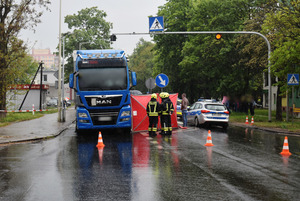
column 274, row 130
column 38, row 138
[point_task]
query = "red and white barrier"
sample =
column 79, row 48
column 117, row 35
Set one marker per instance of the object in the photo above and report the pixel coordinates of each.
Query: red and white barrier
column 6, row 111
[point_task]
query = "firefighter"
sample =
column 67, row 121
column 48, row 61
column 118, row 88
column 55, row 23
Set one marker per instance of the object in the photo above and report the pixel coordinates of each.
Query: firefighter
column 167, row 110
column 152, row 111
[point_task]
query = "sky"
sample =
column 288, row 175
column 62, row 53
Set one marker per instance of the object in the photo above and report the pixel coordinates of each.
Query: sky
column 127, row 16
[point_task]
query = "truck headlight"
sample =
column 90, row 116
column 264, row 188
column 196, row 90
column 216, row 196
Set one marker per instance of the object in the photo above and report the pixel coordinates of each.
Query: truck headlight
column 125, row 119
column 125, row 113
column 82, row 115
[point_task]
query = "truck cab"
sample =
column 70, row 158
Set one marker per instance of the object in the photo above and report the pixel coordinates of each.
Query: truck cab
column 102, row 83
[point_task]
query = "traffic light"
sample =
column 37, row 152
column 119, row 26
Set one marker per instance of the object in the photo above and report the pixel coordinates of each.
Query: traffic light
column 113, row 37
column 218, row 36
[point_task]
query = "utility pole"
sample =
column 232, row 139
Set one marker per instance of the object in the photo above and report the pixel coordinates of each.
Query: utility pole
column 63, row 83
column 59, row 105
column 41, row 86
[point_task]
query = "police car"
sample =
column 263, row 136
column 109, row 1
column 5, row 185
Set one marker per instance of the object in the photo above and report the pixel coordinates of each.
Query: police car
column 178, row 108
column 207, row 112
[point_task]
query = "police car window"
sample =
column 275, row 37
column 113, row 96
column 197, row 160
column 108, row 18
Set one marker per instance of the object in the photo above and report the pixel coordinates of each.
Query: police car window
column 215, row 107
column 200, row 106
column 193, row 106
column 197, row 106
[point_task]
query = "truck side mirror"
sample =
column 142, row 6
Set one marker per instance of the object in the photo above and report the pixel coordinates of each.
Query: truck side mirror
column 133, row 78
column 71, row 81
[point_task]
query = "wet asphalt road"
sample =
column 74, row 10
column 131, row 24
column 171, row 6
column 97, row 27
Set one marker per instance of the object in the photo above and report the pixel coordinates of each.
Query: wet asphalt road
column 243, row 164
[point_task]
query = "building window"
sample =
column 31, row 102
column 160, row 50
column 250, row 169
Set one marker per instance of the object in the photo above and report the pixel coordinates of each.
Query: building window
column 45, row 78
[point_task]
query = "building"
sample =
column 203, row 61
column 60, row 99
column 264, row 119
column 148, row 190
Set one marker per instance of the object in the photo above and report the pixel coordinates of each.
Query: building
column 293, row 103
column 48, row 78
column 17, row 93
column 266, row 93
column 50, row 60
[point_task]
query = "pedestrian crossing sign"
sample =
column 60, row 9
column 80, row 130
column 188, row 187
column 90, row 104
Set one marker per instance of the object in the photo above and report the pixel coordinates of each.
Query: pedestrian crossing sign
column 156, row 23
column 293, row 79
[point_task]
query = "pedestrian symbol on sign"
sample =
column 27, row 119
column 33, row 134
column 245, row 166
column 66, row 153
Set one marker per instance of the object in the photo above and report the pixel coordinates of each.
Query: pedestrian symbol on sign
column 293, row 79
column 156, row 24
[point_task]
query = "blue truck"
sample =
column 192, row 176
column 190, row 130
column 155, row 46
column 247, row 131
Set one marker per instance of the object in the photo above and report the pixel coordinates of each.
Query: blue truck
column 102, row 82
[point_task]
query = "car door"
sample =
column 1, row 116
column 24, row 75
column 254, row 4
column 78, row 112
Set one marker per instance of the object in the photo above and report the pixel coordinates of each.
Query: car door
column 193, row 111
column 190, row 113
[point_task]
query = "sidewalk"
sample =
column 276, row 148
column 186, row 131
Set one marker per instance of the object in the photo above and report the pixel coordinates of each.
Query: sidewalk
column 36, row 129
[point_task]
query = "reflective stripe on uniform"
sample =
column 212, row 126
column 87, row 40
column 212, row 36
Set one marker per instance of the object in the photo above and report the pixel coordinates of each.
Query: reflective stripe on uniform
column 154, row 112
column 152, row 129
column 165, row 112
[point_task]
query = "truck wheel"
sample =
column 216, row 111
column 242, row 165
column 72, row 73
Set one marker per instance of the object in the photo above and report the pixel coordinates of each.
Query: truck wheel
column 127, row 131
column 77, row 130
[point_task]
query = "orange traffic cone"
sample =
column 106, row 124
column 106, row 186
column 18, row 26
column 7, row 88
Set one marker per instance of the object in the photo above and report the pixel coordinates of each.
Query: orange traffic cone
column 100, row 141
column 252, row 121
column 247, row 122
column 100, row 152
column 285, row 149
column 208, row 140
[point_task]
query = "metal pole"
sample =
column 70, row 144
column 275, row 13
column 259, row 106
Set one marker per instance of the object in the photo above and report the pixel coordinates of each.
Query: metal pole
column 287, row 105
column 20, row 108
column 63, row 82
column 225, row 32
column 293, row 105
column 82, row 43
column 59, row 69
column 41, row 87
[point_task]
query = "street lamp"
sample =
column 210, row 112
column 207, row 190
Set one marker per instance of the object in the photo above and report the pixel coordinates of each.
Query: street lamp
column 59, row 107
column 81, row 43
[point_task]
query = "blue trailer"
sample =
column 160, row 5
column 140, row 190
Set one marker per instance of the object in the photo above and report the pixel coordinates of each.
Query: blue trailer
column 102, row 83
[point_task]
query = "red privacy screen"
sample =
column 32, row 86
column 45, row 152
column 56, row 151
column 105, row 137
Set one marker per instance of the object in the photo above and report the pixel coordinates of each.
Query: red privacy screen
column 140, row 120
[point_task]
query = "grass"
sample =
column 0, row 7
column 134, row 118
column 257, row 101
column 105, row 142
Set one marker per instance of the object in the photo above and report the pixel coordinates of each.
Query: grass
column 261, row 120
column 23, row 116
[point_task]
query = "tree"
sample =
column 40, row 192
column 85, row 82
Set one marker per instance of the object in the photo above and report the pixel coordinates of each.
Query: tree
column 14, row 16
column 88, row 29
column 142, row 62
column 283, row 29
column 21, row 71
column 252, row 49
column 168, row 47
column 209, row 67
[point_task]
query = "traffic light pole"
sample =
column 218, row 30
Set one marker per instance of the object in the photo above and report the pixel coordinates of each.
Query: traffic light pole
column 221, row 32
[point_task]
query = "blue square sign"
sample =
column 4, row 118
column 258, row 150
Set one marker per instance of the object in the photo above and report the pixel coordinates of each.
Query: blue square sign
column 156, row 23
column 293, row 79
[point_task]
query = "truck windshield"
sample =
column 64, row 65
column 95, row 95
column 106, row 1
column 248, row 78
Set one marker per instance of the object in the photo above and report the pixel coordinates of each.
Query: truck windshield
column 104, row 78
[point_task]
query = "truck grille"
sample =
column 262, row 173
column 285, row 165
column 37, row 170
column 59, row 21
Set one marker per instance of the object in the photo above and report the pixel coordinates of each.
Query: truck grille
column 104, row 117
column 103, row 100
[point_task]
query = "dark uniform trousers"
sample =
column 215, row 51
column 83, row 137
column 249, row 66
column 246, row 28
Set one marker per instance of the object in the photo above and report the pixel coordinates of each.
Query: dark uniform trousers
column 166, row 124
column 152, row 111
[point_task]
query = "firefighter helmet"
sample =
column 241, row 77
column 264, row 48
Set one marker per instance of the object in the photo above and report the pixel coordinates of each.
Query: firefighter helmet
column 154, row 96
column 162, row 94
column 166, row 94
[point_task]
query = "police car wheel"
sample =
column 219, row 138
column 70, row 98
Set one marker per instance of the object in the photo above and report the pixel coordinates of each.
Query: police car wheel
column 196, row 122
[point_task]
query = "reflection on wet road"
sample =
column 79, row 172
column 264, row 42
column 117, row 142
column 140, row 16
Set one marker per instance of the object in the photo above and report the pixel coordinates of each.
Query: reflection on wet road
column 243, row 164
